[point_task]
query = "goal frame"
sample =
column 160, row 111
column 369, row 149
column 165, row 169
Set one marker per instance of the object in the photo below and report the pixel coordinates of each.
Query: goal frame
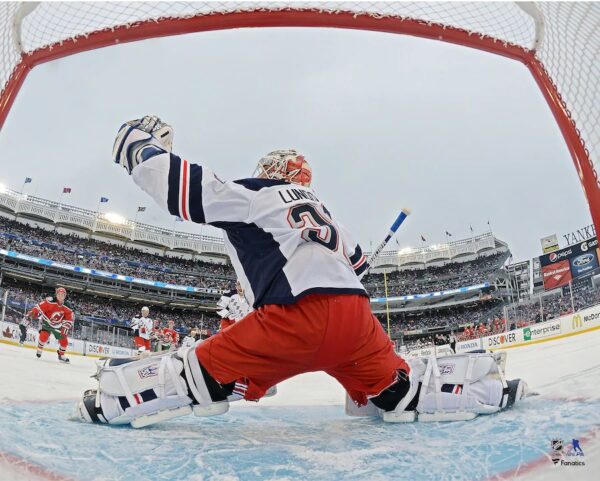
column 299, row 17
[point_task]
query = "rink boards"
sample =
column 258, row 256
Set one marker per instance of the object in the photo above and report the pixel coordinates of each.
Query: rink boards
column 10, row 334
column 564, row 326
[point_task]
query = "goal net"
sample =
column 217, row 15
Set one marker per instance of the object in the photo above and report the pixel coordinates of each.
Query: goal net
column 559, row 42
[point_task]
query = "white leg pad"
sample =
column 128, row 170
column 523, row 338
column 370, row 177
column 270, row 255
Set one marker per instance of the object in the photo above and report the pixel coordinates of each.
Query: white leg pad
column 155, row 390
column 481, row 378
column 479, row 383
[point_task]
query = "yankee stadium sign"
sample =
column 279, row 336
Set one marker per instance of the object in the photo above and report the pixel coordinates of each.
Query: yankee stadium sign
column 580, row 234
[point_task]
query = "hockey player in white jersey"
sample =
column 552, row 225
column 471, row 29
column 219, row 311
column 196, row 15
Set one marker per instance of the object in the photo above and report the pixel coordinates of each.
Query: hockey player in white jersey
column 300, row 271
column 142, row 325
column 232, row 307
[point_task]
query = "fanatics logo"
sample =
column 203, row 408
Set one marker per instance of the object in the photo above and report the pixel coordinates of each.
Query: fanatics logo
column 563, row 455
column 148, row 371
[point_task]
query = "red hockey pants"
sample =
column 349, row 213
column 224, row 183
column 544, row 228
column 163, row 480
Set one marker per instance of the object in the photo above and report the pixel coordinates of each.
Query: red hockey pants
column 141, row 342
column 45, row 335
column 337, row 334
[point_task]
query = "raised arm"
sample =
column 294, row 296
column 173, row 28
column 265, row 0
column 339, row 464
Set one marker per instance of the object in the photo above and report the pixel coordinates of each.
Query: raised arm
column 189, row 191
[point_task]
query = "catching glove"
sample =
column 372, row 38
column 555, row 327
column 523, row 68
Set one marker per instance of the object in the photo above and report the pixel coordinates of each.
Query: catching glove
column 140, row 139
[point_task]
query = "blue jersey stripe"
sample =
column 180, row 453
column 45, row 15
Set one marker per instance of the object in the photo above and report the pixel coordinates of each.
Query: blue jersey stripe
column 173, row 194
column 361, row 268
column 258, row 184
column 261, row 260
column 354, row 258
column 196, row 208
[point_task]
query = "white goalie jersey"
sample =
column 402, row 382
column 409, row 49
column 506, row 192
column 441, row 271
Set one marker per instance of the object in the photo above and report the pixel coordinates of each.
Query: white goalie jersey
column 272, row 229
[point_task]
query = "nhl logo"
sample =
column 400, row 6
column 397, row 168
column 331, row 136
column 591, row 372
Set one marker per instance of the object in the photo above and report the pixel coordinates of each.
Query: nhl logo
column 557, row 447
column 557, row 444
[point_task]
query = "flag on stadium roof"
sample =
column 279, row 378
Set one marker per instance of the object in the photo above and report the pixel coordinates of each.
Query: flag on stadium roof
column 141, row 209
column 448, row 234
column 28, row 180
column 471, row 227
column 66, row 190
column 423, row 238
column 103, row 199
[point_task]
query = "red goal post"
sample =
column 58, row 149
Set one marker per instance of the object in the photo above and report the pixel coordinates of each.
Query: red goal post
column 559, row 42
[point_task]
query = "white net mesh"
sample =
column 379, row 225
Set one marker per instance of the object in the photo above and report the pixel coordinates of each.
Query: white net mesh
column 570, row 53
column 53, row 22
column 569, row 50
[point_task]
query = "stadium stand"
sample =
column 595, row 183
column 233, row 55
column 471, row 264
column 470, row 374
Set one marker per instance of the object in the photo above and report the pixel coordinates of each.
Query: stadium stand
column 103, row 315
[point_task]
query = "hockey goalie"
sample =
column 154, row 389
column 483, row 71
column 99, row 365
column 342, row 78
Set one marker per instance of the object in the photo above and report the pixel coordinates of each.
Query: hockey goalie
column 301, row 273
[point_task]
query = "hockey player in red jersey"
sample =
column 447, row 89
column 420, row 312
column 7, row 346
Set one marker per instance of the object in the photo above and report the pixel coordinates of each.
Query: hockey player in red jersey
column 301, row 273
column 57, row 319
column 169, row 337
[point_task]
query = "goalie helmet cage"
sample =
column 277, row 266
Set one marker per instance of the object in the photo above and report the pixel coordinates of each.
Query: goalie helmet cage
column 559, row 42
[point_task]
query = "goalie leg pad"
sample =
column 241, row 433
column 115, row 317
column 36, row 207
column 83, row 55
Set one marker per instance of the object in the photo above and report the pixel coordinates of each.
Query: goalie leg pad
column 150, row 390
column 459, row 388
column 132, row 389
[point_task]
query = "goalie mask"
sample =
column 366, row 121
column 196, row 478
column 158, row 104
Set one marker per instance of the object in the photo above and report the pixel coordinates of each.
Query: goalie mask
column 286, row 165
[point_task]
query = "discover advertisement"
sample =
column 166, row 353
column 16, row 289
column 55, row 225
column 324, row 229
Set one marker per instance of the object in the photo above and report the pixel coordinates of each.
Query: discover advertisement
column 503, row 340
column 102, row 350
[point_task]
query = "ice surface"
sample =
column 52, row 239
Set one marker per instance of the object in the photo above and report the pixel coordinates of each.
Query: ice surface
column 302, row 433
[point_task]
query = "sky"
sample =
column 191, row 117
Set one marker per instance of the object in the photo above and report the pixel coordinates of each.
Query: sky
column 458, row 136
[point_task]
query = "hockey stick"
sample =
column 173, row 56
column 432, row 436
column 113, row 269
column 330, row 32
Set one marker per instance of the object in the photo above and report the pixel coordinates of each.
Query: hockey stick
column 397, row 223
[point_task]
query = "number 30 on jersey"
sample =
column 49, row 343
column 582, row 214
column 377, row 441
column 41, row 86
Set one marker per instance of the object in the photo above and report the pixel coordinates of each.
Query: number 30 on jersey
column 315, row 226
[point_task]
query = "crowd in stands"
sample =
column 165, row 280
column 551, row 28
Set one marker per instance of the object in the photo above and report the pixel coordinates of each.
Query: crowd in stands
column 96, row 254
column 551, row 307
column 478, row 322
column 452, row 318
column 432, row 279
